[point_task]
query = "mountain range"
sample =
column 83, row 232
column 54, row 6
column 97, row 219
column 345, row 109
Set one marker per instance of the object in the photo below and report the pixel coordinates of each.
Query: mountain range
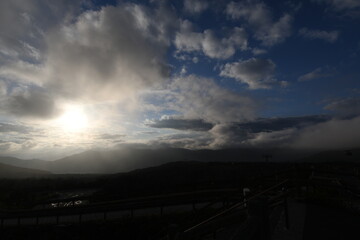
column 8, row 171
column 127, row 159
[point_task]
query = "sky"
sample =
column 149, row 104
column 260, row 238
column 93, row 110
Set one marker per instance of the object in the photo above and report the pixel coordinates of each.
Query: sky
column 89, row 74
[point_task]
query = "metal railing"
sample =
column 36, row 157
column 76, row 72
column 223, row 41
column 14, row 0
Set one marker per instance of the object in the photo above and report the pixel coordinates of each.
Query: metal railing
column 159, row 201
column 193, row 231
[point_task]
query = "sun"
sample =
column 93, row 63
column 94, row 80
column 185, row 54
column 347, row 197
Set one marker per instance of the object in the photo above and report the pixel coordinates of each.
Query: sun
column 74, row 119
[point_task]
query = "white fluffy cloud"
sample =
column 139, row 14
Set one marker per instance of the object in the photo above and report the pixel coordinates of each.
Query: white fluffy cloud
column 258, row 51
column 308, row 132
column 255, row 72
column 197, row 97
column 24, row 23
column 329, row 36
column 187, row 40
column 259, row 18
column 32, row 103
column 334, row 134
column 195, row 6
column 96, row 58
column 315, row 74
column 91, row 57
column 189, row 140
column 228, row 135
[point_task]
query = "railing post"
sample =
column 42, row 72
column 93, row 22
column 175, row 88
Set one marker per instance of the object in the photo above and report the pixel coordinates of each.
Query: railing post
column 214, row 234
column 286, row 210
column 258, row 209
column 246, row 192
column 266, row 223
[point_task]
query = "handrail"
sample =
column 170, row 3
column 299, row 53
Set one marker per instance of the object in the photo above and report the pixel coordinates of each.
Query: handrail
column 234, row 207
column 145, row 198
column 133, row 203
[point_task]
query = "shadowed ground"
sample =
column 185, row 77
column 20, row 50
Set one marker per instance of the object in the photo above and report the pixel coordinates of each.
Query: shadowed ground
column 330, row 223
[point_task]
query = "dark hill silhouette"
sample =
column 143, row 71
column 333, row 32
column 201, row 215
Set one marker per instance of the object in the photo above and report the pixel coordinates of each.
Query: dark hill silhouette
column 31, row 163
column 127, row 159
column 352, row 155
column 7, row 171
column 184, row 177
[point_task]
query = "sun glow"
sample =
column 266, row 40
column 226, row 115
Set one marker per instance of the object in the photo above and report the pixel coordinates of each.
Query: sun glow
column 74, row 119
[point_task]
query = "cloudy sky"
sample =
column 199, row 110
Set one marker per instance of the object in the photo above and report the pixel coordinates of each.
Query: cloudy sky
column 83, row 74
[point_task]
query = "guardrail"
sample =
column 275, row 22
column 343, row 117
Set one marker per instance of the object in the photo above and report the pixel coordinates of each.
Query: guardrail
column 299, row 178
column 160, row 201
column 193, row 231
column 300, row 182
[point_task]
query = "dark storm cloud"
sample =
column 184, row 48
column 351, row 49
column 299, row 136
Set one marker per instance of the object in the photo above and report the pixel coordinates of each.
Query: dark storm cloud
column 264, row 132
column 277, row 124
column 255, row 72
column 242, row 129
column 333, row 134
column 148, row 132
column 107, row 136
column 308, row 132
column 182, row 124
column 33, row 104
column 5, row 127
column 349, row 107
column 5, row 146
column 193, row 140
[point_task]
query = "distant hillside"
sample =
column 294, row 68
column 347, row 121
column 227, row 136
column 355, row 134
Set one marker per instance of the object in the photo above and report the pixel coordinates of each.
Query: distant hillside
column 104, row 161
column 335, row 156
column 127, row 159
column 7, row 171
column 33, row 163
column 185, row 176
